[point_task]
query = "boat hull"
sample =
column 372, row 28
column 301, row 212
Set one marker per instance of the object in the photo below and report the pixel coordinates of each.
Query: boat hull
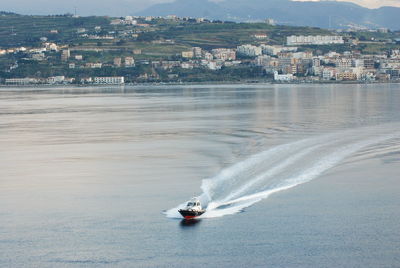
column 191, row 214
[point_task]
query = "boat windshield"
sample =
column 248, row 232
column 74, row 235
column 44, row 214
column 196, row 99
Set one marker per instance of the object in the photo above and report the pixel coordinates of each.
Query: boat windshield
column 190, row 204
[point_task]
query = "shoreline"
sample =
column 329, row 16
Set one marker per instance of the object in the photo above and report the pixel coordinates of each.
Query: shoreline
column 246, row 82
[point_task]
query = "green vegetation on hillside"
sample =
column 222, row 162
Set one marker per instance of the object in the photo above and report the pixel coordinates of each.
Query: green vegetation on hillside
column 98, row 40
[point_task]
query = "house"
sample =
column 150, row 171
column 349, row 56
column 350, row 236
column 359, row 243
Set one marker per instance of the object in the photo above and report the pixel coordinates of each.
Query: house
column 260, row 36
column 187, row 54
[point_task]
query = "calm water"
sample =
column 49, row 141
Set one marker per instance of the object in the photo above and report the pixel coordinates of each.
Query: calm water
column 293, row 176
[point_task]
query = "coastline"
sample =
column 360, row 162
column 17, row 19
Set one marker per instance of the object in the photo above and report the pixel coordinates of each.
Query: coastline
column 245, row 82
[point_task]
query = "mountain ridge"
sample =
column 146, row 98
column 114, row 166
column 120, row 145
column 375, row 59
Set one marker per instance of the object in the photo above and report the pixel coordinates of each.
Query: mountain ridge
column 325, row 14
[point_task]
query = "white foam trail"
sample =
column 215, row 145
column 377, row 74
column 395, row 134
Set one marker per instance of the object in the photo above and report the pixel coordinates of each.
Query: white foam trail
column 228, row 174
column 281, row 168
column 270, row 173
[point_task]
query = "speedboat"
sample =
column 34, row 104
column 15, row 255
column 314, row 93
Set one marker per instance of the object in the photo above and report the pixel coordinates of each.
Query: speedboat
column 192, row 210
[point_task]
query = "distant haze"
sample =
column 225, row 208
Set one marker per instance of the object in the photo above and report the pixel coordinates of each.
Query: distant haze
column 83, row 7
column 120, row 7
column 366, row 3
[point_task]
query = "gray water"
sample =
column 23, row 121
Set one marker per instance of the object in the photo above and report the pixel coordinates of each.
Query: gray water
column 291, row 175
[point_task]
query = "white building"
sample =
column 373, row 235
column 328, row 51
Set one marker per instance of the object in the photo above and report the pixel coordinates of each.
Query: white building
column 283, row 77
column 197, row 51
column 93, row 65
column 333, row 54
column 232, row 63
column 171, row 17
column 316, row 62
column 187, row 65
column 116, row 22
column 187, row 54
column 274, row 50
column 208, row 56
column 328, row 73
column 213, row 65
column 86, row 80
column 129, row 62
column 55, row 79
column 317, row 70
column 395, row 54
column 302, row 55
column 383, row 30
column 21, row 81
column 357, row 62
column 260, row 36
column 298, row 40
column 249, row 50
column 65, row 54
column 114, row 80
column 263, row 60
column 270, row 21
column 223, row 54
column 51, row 47
column 343, row 63
column 130, row 21
column 117, row 62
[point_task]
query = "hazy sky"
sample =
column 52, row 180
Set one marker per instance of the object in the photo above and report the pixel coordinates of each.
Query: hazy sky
column 84, row 7
column 117, row 7
column 369, row 3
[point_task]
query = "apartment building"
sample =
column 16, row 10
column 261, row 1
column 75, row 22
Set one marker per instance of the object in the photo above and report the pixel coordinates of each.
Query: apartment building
column 114, row 80
column 298, row 40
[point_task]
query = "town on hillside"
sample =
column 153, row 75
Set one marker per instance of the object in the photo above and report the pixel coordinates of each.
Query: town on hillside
column 102, row 50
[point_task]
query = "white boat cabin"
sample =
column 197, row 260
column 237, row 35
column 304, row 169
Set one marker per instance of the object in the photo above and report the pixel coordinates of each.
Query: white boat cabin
column 194, row 204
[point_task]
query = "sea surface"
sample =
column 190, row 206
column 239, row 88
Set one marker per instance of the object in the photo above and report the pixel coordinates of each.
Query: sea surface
column 291, row 175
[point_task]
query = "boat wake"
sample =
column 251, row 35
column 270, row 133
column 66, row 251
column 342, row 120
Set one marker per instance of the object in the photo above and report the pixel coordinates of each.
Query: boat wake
column 283, row 167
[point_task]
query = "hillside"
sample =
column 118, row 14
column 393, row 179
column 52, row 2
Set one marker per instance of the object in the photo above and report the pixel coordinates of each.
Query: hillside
column 325, row 14
column 158, row 49
column 21, row 30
